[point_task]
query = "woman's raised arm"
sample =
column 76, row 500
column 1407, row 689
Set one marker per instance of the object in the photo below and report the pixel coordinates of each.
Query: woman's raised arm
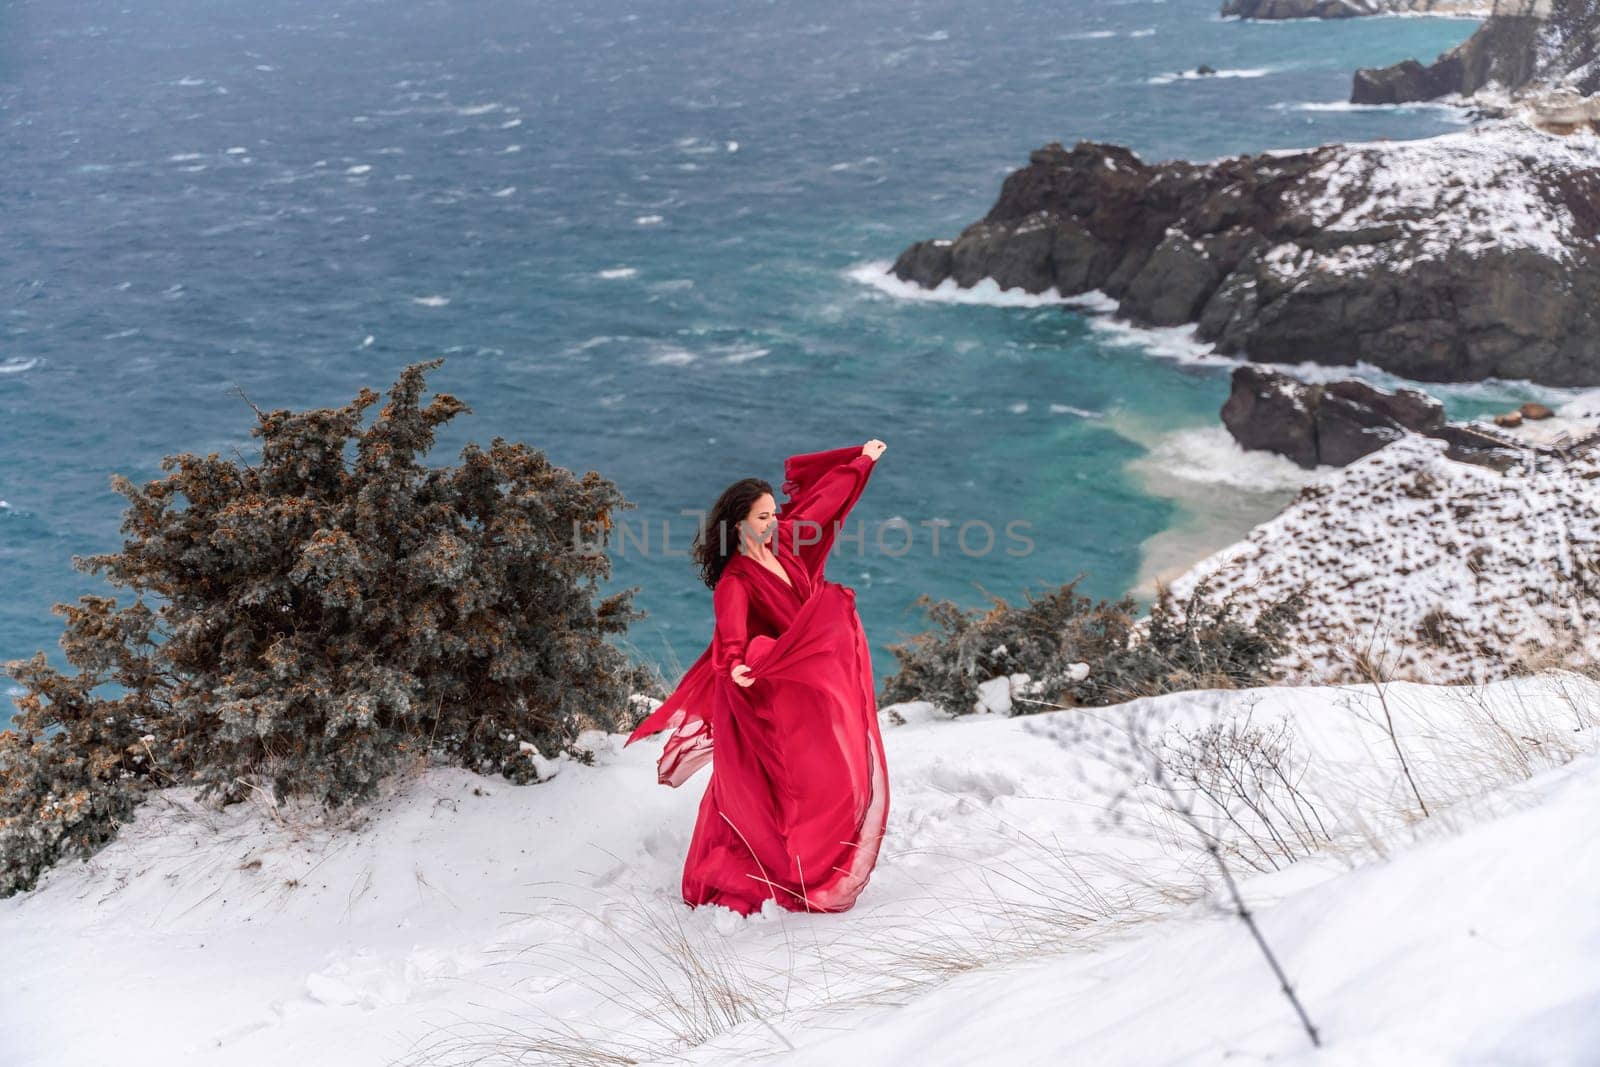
column 822, row 488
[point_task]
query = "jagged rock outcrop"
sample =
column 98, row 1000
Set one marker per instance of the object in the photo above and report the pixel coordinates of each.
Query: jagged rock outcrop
column 1458, row 258
column 1344, row 9
column 1338, row 423
column 1527, row 48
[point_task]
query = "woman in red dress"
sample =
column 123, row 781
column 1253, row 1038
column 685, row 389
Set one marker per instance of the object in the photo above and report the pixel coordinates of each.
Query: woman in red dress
column 799, row 789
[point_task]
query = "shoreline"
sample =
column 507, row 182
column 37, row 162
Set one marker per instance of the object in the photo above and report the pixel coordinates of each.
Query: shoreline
column 1221, row 491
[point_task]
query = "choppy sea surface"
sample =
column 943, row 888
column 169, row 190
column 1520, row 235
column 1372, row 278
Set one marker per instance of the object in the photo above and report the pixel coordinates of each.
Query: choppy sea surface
column 647, row 238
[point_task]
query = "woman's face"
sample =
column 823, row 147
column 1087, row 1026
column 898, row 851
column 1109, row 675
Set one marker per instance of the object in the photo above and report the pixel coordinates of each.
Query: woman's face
column 760, row 523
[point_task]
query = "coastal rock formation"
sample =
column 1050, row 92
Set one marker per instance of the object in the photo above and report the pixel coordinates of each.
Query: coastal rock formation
column 1527, row 48
column 1344, row 9
column 1462, row 257
column 1340, row 422
column 1333, row 424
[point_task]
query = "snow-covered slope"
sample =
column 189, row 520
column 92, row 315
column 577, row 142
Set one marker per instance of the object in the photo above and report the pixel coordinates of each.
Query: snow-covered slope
column 1432, row 569
column 1477, row 948
column 1483, row 189
column 1036, row 902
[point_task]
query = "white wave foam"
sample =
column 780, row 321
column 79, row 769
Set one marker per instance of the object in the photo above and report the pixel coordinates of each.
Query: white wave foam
column 510, row 124
column 1221, row 491
column 1345, row 105
column 510, row 148
column 1082, row 413
column 190, row 81
column 616, row 273
column 596, row 342
column 1088, row 35
column 507, row 191
column 237, row 150
column 987, row 292
column 855, row 164
column 477, row 109
column 673, row 357
column 745, row 355
column 1190, row 75
column 16, row 365
column 1210, row 456
column 648, row 220
column 1147, row 32
column 1457, row 16
column 1019, row 408
column 184, row 157
column 431, row 301
column 1169, row 342
column 360, row 168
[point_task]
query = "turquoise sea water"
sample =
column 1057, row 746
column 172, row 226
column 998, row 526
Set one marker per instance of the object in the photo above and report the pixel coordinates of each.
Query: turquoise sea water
column 639, row 234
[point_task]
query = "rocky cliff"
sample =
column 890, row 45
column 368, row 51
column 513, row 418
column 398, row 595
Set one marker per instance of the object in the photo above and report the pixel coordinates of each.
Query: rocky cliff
column 1337, row 423
column 1344, row 9
column 1462, row 257
column 1527, row 48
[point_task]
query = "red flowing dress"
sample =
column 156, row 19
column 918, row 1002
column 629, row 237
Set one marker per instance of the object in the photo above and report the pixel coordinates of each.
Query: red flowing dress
column 799, row 789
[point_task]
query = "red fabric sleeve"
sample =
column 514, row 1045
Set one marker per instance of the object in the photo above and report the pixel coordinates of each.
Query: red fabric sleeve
column 801, row 472
column 822, row 487
column 731, row 600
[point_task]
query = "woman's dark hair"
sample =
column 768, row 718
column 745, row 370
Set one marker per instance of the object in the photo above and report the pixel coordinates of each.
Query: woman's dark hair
column 718, row 538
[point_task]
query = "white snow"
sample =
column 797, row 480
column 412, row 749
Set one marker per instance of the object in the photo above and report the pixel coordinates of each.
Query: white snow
column 987, row 291
column 1480, row 190
column 1018, row 904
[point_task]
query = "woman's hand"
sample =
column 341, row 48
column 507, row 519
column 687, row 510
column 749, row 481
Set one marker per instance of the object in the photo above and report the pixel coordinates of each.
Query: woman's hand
column 873, row 448
column 746, row 680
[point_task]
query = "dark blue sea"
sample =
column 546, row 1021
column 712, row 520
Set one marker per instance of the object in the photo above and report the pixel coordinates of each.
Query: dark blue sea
column 644, row 237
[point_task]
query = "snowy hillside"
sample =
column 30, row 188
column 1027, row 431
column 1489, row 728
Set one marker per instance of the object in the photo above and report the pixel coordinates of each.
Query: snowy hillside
column 1433, row 569
column 1039, row 900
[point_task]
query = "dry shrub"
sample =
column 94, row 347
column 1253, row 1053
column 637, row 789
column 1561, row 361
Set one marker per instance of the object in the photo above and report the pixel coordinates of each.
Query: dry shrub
column 318, row 619
column 1081, row 652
